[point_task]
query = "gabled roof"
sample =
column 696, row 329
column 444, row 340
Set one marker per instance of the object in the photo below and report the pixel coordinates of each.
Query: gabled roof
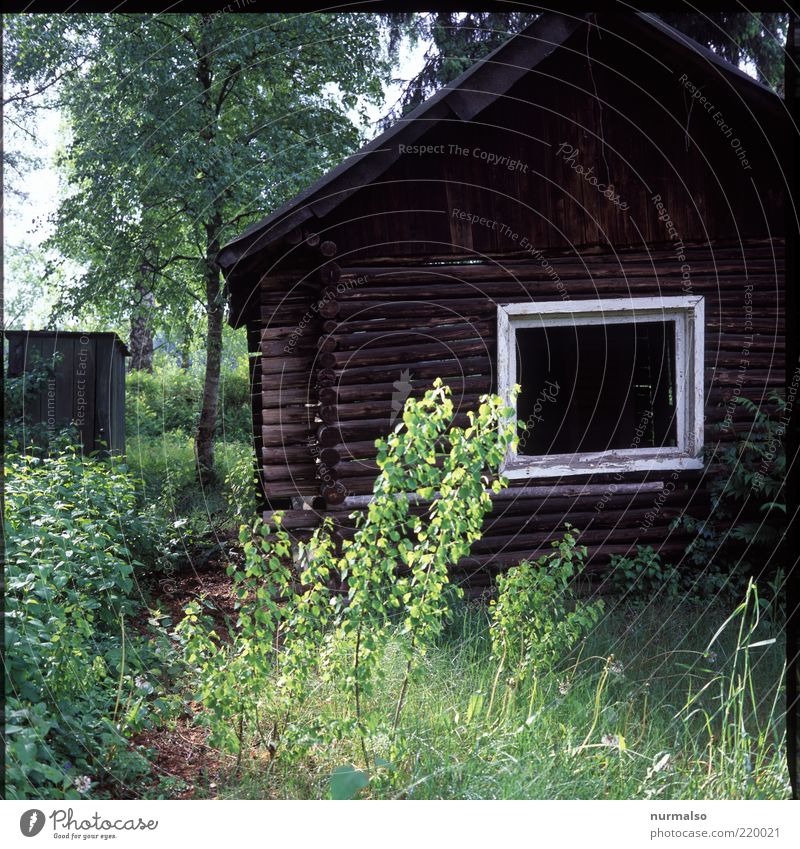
column 463, row 99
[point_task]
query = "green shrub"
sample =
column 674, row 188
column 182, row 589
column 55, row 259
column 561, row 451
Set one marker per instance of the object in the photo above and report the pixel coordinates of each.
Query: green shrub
column 21, row 394
column 164, row 470
column 168, row 401
column 79, row 680
column 396, row 571
column 536, row 620
column 644, row 576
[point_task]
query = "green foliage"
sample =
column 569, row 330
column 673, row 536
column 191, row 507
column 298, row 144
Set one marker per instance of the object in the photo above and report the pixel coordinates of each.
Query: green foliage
column 293, row 627
column 164, row 127
column 161, row 417
column 20, row 394
column 748, row 512
column 756, row 38
column 79, row 681
column 644, row 576
column 536, row 620
column 182, row 131
column 346, row 781
column 167, row 400
column 664, row 722
column 745, row 730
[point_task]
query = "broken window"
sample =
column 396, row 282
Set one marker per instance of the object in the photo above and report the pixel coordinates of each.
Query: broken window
column 609, row 385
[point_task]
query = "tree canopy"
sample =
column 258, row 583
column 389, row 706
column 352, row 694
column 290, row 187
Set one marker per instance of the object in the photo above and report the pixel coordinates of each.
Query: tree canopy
column 183, row 129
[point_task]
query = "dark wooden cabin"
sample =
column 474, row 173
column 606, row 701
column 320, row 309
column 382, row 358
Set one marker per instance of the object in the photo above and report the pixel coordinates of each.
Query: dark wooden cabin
column 87, row 388
column 594, row 211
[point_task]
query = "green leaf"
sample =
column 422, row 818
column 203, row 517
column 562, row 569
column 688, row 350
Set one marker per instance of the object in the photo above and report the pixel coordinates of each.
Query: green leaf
column 346, row 781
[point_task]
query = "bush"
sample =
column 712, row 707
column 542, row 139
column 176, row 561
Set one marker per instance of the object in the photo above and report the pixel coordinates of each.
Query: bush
column 536, row 619
column 168, row 401
column 396, row 571
column 643, row 576
column 164, row 470
column 21, row 394
column 161, row 418
column 79, row 680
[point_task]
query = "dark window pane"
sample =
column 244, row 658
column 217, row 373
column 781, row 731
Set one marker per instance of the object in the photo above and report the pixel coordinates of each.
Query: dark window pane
column 596, row 387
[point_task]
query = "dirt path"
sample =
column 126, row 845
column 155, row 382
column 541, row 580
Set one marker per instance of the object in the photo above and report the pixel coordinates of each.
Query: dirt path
column 184, row 766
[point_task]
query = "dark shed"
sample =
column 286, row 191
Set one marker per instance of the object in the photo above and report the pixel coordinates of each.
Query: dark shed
column 594, row 211
column 88, row 385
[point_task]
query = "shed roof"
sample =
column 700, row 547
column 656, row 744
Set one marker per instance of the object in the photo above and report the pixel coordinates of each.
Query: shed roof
column 54, row 334
column 462, row 99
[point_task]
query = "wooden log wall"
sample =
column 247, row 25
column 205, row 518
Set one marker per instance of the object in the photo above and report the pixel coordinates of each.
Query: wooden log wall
column 385, row 332
column 283, row 350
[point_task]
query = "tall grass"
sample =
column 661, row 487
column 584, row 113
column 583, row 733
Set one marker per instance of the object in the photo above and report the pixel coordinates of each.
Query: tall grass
column 660, row 702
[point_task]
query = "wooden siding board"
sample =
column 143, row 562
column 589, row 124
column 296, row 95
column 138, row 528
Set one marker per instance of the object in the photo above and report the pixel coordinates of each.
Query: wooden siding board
column 75, row 381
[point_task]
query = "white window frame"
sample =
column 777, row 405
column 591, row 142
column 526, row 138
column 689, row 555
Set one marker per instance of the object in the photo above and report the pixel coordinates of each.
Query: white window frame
column 688, row 315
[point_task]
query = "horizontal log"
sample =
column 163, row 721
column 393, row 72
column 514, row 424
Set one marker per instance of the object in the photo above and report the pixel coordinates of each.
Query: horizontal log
column 354, row 450
column 283, row 472
column 713, row 415
column 734, row 342
column 391, row 337
column 328, row 395
column 329, row 435
column 405, row 354
column 544, row 491
column 500, row 560
column 376, row 323
column 303, row 283
column 583, row 520
column 291, row 488
column 718, row 255
column 283, row 396
column 384, row 409
column 286, row 365
column 289, row 455
column 354, row 468
column 555, row 507
column 290, row 347
column 722, row 359
column 294, row 434
column 539, row 539
column 729, row 289
column 273, row 334
column 462, row 308
column 295, row 380
column 535, row 540
column 750, row 376
column 721, row 255
column 452, row 368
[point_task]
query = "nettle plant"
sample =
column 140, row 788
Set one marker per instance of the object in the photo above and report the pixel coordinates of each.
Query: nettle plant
column 295, row 630
column 536, row 619
column 644, row 576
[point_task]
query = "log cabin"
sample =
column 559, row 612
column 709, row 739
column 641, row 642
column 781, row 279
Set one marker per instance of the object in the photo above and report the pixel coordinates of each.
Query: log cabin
column 594, row 212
